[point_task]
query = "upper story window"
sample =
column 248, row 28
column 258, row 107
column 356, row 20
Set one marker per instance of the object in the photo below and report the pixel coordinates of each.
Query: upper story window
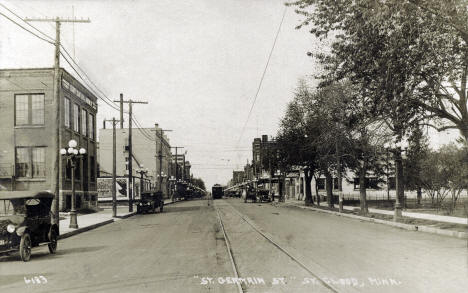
column 76, row 118
column 66, row 106
column 84, row 119
column 29, row 109
column 91, row 124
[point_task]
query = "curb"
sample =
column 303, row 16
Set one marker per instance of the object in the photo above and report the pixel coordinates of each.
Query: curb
column 84, row 229
column 410, row 227
column 126, row 216
column 94, row 226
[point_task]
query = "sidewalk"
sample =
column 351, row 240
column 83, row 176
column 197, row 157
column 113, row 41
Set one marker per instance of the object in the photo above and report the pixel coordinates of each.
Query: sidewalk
column 424, row 216
column 436, row 224
column 91, row 221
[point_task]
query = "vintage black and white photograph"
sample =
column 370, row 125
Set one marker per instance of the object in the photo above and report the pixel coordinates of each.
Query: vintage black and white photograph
column 234, row 146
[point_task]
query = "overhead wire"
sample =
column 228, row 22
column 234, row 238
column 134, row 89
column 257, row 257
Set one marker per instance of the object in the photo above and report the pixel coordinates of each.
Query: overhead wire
column 263, row 75
column 4, row 15
column 108, row 102
column 72, row 63
column 30, row 25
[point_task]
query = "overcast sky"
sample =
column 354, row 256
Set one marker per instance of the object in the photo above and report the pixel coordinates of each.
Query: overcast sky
column 197, row 62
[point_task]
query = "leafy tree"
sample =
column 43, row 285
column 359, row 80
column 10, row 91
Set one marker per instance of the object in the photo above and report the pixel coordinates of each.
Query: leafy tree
column 418, row 148
column 199, row 183
column 294, row 139
column 455, row 166
column 409, row 54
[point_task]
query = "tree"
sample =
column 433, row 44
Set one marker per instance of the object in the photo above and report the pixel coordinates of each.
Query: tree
column 199, row 183
column 410, row 54
column 418, row 148
column 455, row 166
column 294, row 139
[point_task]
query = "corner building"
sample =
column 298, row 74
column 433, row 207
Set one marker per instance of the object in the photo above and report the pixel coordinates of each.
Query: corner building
column 28, row 130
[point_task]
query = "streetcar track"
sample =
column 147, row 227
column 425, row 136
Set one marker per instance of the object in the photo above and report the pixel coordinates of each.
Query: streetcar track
column 240, row 288
column 271, row 241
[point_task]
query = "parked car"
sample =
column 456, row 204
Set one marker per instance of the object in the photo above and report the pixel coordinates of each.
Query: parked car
column 249, row 193
column 263, row 195
column 26, row 222
column 150, row 201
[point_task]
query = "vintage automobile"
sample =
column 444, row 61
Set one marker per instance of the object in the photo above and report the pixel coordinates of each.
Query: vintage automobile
column 249, row 193
column 26, row 222
column 150, row 201
column 263, row 195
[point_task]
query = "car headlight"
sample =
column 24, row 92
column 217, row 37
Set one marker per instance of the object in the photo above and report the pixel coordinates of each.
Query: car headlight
column 11, row 228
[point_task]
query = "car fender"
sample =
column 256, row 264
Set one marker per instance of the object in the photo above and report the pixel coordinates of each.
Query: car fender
column 20, row 231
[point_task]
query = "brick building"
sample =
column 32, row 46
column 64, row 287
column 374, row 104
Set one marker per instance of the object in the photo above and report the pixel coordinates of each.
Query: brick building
column 28, row 150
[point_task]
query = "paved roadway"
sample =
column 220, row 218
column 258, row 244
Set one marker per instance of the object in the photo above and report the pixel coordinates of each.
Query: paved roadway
column 183, row 250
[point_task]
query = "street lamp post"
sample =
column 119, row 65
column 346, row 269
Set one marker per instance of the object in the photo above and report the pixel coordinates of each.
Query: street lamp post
column 142, row 171
column 72, row 154
column 396, row 149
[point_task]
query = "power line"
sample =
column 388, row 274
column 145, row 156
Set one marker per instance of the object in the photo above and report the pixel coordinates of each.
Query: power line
column 65, row 58
column 33, row 27
column 26, row 29
column 90, row 88
column 89, row 79
column 263, row 75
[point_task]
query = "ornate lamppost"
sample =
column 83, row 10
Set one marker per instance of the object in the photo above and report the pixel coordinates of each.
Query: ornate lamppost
column 142, row 171
column 72, row 154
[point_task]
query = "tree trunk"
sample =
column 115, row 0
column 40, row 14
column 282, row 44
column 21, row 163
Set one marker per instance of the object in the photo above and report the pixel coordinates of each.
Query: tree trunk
column 316, row 192
column 419, row 194
column 329, row 186
column 308, row 178
column 400, row 188
column 362, row 188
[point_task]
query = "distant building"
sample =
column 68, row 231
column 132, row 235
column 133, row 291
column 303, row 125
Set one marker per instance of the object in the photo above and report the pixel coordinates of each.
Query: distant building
column 237, row 177
column 28, row 149
column 146, row 155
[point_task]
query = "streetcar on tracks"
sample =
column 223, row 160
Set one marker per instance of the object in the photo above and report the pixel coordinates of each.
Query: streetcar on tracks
column 217, row 191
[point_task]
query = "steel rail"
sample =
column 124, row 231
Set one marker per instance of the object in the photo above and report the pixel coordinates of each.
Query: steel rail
column 296, row 260
column 240, row 289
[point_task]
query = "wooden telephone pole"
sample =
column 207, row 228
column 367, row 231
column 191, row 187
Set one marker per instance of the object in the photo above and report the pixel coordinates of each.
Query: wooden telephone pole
column 114, row 180
column 130, row 102
column 56, row 180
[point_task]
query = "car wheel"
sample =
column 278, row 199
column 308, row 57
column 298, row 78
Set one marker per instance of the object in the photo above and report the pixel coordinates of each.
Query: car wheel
column 53, row 242
column 25, row 247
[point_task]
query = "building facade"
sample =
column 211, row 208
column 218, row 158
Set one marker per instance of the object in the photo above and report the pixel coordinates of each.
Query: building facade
column 153, row 155
column 28, row 150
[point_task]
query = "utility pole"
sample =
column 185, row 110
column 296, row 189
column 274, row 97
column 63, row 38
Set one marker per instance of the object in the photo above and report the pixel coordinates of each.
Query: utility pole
column 159, row 154
column 56, row 180
column 130, row 102
column 114, row 180
column 121, row 111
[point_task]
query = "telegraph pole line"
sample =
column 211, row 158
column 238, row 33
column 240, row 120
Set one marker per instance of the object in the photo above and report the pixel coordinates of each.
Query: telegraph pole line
column 56, row 182
column 130, row 102
column 114, row 180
